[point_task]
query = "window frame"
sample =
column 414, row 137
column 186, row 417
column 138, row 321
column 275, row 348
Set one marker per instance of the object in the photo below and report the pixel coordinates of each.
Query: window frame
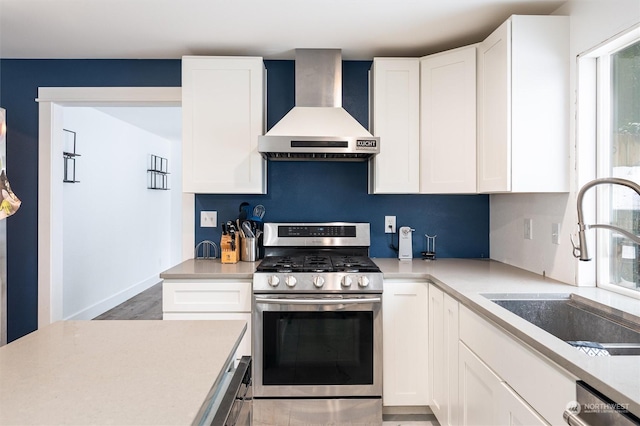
column 593, row 131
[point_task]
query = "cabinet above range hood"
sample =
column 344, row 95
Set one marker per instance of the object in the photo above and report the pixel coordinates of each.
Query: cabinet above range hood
column 318, row 128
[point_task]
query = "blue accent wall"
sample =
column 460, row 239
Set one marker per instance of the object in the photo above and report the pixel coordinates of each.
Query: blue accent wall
column 319, row 191
column 333, row 191
column 19, row 82
column 297, row 191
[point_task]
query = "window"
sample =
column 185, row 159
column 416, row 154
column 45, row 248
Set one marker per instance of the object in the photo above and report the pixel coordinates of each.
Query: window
column 618, row 155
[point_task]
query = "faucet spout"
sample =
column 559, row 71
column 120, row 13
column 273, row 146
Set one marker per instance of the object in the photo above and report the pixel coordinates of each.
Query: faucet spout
column 580, row 251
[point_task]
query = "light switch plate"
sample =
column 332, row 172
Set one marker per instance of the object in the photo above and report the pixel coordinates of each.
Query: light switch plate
column 208, row 219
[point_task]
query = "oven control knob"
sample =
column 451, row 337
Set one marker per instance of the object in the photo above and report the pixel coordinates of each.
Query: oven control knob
column 363, row 281
column 318, row 281
column 290, row 281
column 346, row 281
column 274, row 281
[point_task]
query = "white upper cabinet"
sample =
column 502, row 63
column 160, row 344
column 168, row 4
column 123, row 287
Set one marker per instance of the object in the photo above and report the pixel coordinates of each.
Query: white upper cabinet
column 448, row 122
column 222, row 117
column 523, row 106
column 395, row 119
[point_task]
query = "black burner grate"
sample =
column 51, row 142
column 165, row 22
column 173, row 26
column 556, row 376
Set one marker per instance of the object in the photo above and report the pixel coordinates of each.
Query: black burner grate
column 317, row 263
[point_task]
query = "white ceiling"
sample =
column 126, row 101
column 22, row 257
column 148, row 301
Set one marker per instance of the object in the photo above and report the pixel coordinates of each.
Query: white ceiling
column 172, row 28
column 169, row 29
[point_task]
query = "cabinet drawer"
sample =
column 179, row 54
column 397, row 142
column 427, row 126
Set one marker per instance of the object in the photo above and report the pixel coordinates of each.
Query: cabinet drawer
column 541, row 383
column 206, row 296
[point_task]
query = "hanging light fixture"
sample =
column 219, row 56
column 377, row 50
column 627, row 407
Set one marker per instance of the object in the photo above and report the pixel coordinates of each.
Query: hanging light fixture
column 9, row 203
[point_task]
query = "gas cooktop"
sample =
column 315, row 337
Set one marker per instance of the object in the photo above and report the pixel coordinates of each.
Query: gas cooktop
column 317, row 263
column 330, row 257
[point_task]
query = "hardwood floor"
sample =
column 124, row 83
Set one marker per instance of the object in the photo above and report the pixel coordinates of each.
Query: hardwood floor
column 144, row 306
column 409, row 419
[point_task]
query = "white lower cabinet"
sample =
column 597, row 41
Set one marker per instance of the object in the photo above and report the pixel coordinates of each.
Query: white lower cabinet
column 485, row 399
column 443, row 356
column 514, row 411
column 479, row 389
column 209, row 300
column 533, row 391
column 405, row 348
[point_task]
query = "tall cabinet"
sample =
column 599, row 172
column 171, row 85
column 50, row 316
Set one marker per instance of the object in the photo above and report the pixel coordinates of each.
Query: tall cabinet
column 222, row 117
column 523, row 106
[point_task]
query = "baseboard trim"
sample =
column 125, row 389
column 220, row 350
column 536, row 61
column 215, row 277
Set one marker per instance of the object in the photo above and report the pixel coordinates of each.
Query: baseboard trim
column 409, row 409
column 104, row 305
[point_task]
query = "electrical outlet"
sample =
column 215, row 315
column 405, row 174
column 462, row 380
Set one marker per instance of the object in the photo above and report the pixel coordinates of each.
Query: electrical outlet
column 528, row 229
column 555, row 233
column 208, row 219
column 389, row 224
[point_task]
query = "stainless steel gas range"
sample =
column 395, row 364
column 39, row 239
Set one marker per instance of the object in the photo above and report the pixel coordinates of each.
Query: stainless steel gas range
column 317, row 326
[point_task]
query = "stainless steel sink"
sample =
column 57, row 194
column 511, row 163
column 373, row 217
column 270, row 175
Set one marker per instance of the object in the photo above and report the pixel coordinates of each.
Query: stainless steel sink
column 572, row 318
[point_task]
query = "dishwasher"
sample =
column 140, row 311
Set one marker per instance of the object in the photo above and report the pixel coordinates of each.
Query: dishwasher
column 591, row 408
column 230, row 405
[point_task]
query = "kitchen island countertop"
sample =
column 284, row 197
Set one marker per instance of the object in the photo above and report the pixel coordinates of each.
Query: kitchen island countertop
column 114, row 372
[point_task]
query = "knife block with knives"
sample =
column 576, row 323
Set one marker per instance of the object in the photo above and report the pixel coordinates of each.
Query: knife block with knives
column 229, row 244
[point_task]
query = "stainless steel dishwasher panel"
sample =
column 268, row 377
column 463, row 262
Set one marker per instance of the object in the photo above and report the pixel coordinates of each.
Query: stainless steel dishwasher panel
column 594, row 409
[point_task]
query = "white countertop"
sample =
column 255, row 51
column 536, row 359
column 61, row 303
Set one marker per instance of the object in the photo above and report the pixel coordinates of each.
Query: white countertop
column 114, row 372
column 618, row 377
column 210, row 269
column 467, row 280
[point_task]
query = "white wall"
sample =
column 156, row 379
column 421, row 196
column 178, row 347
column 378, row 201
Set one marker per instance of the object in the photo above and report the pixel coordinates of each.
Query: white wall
column 117, row 233
column 592, row 22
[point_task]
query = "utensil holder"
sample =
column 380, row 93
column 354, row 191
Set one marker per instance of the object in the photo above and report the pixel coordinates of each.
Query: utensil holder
column 248, row 249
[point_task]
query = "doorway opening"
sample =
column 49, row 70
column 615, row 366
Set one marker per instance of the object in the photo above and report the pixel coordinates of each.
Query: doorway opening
column 118, row 104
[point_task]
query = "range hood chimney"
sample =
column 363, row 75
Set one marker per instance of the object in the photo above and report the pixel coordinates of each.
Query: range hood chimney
column 318, row 128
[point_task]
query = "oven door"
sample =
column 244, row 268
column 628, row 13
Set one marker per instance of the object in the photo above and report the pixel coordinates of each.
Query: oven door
column 317, row 345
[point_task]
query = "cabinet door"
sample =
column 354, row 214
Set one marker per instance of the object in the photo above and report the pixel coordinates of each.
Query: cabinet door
column 494, row 111
column 437, row 370
column 405, row 342
column 514, row 411
column 479, row 389
column 448, row 122
column 450, row 347
column 443, row 356
column 222, row 116
column 396, row 108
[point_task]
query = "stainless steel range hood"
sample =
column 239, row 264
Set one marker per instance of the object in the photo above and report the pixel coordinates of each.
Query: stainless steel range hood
column 318, row 128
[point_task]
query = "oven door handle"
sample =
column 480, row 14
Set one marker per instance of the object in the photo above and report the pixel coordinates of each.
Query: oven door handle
column 275, row 301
